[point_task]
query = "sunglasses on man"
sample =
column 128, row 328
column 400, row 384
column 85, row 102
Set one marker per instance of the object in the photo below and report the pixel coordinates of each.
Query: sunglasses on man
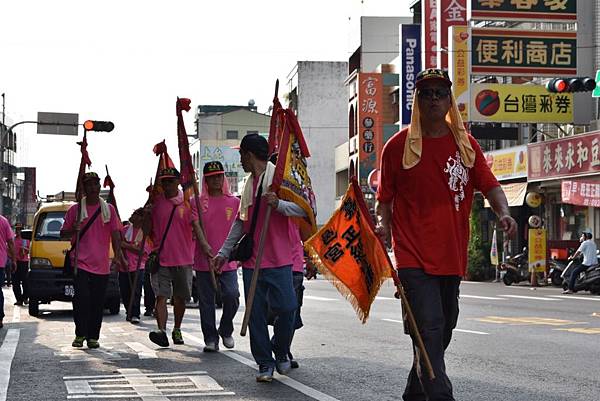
column 429, row 93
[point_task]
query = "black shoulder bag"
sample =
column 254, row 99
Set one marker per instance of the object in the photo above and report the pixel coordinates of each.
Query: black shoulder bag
column 242, row 250
column 68, row 269
column 153, row 264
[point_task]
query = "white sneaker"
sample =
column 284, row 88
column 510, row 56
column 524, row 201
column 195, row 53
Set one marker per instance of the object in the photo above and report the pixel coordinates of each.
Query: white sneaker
column 211, row 347
column 228, row 342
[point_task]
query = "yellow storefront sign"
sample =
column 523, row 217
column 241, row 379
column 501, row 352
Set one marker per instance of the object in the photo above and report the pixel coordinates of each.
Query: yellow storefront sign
column 519, row 104
column 537, row 249
column 458, row 42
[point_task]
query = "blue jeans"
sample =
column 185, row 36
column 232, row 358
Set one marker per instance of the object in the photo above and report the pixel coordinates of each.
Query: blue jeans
column 1, row 294
column 274, row 288
column 125, row 281
column 575, row 275
column 230, row 296
column 434, row 303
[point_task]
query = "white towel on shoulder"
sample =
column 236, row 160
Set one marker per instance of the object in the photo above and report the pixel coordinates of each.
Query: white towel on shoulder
column 248, row 194
column 104, row 210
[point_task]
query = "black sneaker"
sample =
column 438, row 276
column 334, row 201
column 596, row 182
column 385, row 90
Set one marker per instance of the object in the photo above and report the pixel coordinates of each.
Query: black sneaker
column 265, row 374
column 148, row 312
column 159, row 337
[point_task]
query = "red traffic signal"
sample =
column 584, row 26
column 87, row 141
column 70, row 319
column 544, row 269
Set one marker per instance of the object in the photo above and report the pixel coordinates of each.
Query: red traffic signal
column 568, row 85
column 104, row 126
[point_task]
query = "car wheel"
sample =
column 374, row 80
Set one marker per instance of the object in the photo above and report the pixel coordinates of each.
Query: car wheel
column 34, row 307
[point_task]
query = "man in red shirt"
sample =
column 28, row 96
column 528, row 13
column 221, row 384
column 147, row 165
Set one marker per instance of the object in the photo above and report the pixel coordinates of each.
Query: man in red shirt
column 429, row 172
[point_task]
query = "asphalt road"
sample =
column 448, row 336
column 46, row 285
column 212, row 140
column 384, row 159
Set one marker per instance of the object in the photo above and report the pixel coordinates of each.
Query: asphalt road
column 512, row 343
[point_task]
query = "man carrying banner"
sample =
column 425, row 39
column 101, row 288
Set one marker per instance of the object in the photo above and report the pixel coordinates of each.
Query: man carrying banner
column 19, row 279
column 171, row 229
column 102, row 227
column 429, row 172
column 218, row 210
column 274, row 285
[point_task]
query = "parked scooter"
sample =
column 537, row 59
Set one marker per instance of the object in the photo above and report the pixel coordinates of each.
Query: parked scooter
column 588, row 280
column 516, row 268
column 555, row 272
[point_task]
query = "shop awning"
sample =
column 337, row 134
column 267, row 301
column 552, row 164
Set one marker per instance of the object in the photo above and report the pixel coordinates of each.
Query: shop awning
column 515, row 193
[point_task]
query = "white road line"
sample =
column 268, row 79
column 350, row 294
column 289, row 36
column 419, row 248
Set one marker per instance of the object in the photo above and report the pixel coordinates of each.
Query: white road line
column 143, row 351
column 461, row 330
column 319, row 298
column 526, row 297
column 472, row 332
column 288, row 381
column 575, row 297
column 16, row 314
column 480, row 297
column 7, row 353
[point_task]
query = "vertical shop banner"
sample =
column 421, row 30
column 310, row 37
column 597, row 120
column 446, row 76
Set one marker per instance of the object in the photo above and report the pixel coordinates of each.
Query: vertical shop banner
column 410, row 43
column 370, row 124
column 458, row 67
column 523, row 10
column 449, row 13
column 581, row 192
column 494, row 250
column 537, row 250
column 577, row 155
column 429, row 33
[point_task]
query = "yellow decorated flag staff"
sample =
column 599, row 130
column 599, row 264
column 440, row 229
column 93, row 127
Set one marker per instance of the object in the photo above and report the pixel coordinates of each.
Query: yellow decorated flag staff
column 348, row 253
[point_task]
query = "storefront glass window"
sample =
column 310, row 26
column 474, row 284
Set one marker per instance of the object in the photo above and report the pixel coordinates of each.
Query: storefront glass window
column 570, row 221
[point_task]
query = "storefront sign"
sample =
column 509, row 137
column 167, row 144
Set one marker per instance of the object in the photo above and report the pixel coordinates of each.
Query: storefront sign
column 370, row 123
column 458, row 45
column 449, row 12
column 581, row 192
column 429, row 33
column 518, row 52
column 576, row 155
column 410, row 40
column 537, row 249
column 508, row 163
column 230, row 158
column 519, row 104
column 523, row 10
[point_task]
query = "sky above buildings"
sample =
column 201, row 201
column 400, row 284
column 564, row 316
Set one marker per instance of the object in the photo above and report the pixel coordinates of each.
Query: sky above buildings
column 127, row 61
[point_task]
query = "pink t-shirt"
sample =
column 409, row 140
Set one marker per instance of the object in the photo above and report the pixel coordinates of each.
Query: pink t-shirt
column 217, row 221
column 6, row 234
column 178, row 249
column 278, row 249
column 94, row 246
column 22, row 249
column 129, row 235
column 297, row 249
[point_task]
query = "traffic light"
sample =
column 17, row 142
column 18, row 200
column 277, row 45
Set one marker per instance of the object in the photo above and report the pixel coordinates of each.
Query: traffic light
column 564, row 85
column 105, row 126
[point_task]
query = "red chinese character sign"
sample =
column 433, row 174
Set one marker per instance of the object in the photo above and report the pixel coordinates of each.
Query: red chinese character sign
column 449, row 13
column 568, row 157
column 523, row 10
column 429, row 33
column 370, row 126
column 581, row 192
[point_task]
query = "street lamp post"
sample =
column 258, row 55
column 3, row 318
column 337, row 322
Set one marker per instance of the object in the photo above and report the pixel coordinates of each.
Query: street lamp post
column 2, row 187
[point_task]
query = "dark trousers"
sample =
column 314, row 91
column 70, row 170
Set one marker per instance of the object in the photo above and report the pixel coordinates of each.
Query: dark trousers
column 434, row 303
column 149, row 298
column 19, row 281
column 125, row 283
column 230, row 297
column 275, row 289
column 575, row 275
column 88, row 303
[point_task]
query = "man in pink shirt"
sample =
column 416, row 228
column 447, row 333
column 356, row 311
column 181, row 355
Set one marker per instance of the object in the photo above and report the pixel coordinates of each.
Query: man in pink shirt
column 274, row 287
column 102, row 227
column 171, row 224
column 219, row 208
column 7, row 248
column 133, row 235
column 19, row 279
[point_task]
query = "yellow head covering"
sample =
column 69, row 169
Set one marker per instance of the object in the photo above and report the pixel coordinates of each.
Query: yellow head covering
column 414, row 139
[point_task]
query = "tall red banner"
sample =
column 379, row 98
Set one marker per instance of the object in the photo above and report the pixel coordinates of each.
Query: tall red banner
column 581, row 192
column 370, row 124
column 449, row 13
column 429, row 33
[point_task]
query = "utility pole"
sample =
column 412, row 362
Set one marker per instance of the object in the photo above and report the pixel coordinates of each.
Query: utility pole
column 2, row 138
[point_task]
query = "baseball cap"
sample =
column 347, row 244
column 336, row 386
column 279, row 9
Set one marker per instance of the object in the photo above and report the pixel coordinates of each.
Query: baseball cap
column 169, row 172
column 255, row 144
column 90, row 176
column 213, row 168
column 431, row 74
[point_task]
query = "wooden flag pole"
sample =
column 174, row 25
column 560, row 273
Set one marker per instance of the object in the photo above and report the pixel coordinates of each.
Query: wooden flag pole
column 256, row 272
